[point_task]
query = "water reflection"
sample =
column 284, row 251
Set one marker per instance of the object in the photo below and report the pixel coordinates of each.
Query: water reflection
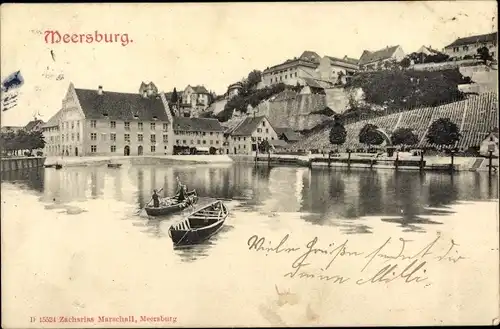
column 322, row 197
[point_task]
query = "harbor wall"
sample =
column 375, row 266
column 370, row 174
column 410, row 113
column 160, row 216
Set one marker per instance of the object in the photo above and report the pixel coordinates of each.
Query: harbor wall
column 20, row 163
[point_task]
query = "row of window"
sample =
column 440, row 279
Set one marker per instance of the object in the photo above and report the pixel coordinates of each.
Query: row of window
column 194, row 133
column 126, row 124
column 466, row 47
column 126, row 137
column 66, row 125
column 93, row 148
column 281, row 77
column 204, row 142
column 253, row 139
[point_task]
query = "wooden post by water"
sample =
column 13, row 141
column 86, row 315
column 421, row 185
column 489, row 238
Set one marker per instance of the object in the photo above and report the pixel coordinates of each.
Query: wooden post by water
column 268, row 157
column 349, row 159
column 396, row 161
column 490, row 162
column 421, row 160
column 452, row 161
column 329, row 159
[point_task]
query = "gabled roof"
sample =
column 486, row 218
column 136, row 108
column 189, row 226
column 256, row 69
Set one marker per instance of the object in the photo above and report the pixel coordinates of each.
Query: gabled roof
column 348, row 63
column 289, row 134
column 379, row 55
column 483, row 38
column 32, row 124
column 53, row 121
column 235, row 85
column 200, row 90
column 351, row 60
column 246, row 127
column 197, row 124
column 120, row 106
column 311, row 56
column 428, row 50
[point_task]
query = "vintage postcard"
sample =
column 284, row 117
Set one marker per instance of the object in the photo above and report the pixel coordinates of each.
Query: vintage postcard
column 249, row 164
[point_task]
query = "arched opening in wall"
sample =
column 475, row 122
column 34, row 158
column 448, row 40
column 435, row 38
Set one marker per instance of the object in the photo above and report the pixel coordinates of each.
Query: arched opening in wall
column 139, row 150
column 126, row 150
column 76, row 151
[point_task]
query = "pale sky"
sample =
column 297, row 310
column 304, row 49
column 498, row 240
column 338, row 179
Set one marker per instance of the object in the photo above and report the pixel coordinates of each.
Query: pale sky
column 211, row 44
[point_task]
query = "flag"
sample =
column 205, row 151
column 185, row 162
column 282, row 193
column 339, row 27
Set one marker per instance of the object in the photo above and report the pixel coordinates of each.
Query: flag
column 13, row 81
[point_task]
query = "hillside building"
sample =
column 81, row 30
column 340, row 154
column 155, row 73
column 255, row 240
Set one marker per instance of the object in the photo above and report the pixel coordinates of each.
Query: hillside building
column 468, row 46
column 245, row 136
column 381, row 58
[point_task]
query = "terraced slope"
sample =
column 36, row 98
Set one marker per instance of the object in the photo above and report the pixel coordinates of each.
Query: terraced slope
column 475, row 117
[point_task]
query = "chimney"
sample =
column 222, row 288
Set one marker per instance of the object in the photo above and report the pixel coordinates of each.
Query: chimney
column 99, row 90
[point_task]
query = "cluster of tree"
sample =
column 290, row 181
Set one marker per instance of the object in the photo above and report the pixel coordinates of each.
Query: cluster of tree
column 421, row 58
column 252, row 97
column 442, row 132
column 408, row 88
column 14, row 142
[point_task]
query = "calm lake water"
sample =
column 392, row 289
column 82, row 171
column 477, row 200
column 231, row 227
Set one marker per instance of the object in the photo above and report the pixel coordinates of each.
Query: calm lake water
column 92, row 212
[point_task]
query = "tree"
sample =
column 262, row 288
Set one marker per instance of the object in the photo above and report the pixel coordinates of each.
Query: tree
column 404, row 136
column 264, row 146
column 369, row 136
column 338, row 132
column 405, row 63
column 254, row 78
column 36, row 140
column 443, row 132
column 484, row 54
column 175, row 97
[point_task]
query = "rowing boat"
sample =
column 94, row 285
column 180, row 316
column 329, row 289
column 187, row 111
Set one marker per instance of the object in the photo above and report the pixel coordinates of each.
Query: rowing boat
column 171, row 205
column 200, row 225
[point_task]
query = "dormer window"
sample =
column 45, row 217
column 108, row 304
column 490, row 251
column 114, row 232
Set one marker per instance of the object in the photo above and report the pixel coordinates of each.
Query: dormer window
column 105, row 115
column 155, row 117
column 136, row 116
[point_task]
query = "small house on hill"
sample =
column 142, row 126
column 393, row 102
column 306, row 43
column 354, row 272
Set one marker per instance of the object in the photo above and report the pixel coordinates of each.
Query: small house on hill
column 377, row 59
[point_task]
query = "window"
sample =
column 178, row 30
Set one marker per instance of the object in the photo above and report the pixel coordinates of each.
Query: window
column 199, row 142
column 184, row 141
column 263, row 123
column 153, row 126
column 217, row 142
column 93, row 136
column 72, row 136
column 127, row 137
column 112, row 137
column 259, row 130
column 295, row 74
column 93, row 124
column 112, row 125
column 211, row 142
column 127, row 125
column 72, row 125
column 139, row 125
column 267, row 130
column 77, row 137
column 466, row 48
column 286, row 76
column 103, row 137
column 93, row 148
column 113, row 148
column 140, row 137
column 153, row 148
column 165, row 127
column 204, row 142
column 153, row 138
column 77, row 124
column 211, row 133
column 165, row 138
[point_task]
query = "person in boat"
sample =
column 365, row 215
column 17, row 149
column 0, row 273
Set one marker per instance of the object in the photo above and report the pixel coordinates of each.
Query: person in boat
column 156, row 199
column 181, row 191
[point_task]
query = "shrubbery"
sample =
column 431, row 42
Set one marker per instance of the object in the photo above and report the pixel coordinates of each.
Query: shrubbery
column 408, row 88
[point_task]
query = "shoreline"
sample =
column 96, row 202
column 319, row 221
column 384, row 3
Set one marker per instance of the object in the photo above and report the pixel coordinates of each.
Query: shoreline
column 138, row 160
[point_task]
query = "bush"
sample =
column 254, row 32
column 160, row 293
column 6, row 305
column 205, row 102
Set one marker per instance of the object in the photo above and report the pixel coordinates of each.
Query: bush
column 443, row 132
column 404, row 136
column 408, row 88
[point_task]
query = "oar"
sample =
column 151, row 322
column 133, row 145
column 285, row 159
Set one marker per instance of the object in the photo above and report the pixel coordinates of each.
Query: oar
column 140, row 210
